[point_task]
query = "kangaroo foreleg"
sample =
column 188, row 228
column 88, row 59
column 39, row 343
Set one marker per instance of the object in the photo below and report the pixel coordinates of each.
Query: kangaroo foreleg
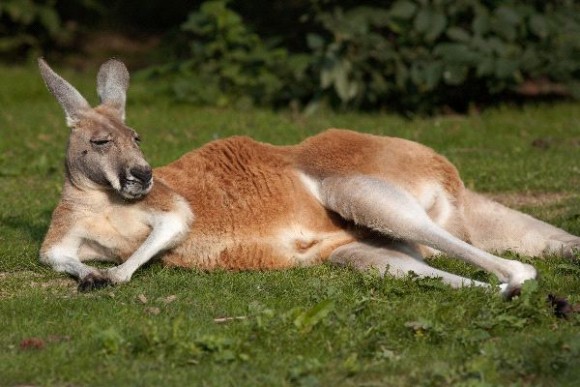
column 168, row 230
column 63, row 256
column 64, row 251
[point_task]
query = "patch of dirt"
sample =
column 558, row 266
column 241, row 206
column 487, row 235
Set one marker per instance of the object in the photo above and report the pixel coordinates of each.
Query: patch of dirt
column 529, row 199
column 134, row 51
column 55, row 283
column 12, row 283
column 542, row 87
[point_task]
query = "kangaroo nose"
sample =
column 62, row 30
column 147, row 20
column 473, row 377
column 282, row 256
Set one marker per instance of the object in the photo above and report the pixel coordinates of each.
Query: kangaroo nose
column 142, row 173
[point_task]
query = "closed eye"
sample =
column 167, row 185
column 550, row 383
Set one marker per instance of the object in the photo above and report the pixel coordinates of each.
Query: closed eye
column 100, row 142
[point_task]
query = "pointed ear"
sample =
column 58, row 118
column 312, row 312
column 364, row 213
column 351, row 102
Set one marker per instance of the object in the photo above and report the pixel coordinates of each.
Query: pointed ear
column 112, row 84
column 67, row 96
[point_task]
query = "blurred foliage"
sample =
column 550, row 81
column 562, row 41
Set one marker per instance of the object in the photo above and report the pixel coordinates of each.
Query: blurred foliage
column 29, row 26
column 411, row 56
column 26, row 24
column 420, row 54
column 408, row 55
column 225, row 63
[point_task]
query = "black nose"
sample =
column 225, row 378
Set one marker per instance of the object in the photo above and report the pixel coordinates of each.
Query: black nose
column 143, row 174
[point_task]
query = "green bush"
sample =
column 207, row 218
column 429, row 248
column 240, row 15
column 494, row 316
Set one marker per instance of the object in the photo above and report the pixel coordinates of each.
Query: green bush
column 420, row 54
column 25, row 25
column 225, row 63
column 411, row 55
column 406, row 55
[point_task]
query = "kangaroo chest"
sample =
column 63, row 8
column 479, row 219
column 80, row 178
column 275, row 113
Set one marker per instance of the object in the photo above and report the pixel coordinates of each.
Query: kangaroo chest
column 113, row 232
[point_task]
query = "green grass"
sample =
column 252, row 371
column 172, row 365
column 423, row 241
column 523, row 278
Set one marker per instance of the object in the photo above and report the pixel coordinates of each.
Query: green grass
column 315, row 326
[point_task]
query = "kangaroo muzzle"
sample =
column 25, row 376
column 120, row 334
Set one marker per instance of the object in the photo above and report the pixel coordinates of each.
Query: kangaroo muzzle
column 136, row 182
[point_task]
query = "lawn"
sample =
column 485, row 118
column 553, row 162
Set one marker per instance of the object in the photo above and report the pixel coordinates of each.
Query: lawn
column 309, row 326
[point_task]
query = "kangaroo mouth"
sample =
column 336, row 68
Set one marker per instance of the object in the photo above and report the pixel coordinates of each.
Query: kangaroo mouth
column 133, row 188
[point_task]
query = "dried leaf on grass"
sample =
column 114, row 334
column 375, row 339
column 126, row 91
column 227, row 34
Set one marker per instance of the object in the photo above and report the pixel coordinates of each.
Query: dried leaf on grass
column 220, row 320
column 32, row 343
column 562, row 308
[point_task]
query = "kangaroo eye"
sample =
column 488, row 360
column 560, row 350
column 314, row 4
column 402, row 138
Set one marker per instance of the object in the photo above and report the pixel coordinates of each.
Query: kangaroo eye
column 137, row 139
column 100, row 142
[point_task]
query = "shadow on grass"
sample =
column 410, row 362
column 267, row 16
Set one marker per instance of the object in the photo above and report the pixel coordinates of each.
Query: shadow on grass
column 35, row 229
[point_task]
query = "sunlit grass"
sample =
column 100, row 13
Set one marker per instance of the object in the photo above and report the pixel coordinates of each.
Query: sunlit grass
column 321, row 325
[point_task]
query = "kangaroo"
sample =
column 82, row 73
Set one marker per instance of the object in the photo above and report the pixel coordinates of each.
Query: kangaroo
column 340, row 196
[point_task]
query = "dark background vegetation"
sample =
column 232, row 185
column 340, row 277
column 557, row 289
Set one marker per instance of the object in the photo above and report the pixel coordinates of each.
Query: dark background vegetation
column 413, row 56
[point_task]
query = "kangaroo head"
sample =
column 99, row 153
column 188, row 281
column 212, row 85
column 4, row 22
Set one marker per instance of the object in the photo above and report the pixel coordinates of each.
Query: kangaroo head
column 103, row 152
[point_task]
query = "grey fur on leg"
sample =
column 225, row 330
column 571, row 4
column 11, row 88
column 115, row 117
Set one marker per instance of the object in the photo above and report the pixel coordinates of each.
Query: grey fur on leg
column 494, row 227
column 395, row 258
column 395, row 213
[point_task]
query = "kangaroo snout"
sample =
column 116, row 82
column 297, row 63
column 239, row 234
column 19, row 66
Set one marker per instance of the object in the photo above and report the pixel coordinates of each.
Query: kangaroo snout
column 143, row 174
column 136, row 182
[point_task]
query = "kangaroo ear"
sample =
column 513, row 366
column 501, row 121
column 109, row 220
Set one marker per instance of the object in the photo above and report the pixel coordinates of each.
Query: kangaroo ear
column 112, row 84
column 67, row 96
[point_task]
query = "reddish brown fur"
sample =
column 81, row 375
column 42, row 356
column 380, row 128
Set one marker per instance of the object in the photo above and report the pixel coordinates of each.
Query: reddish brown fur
column 344, row 152
column 243, row 193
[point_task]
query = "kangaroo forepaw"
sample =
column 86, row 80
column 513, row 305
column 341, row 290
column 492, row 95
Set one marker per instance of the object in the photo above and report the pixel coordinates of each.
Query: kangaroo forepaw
column 94, row 281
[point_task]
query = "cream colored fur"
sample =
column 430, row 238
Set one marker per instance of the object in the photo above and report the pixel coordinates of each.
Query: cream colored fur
column 339, row 196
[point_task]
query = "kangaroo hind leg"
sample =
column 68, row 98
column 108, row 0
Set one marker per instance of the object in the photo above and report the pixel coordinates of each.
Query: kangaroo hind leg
column 390, row 210
column 395, row 258
column 494, row 227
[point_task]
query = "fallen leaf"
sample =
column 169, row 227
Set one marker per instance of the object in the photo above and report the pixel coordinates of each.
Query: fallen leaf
column 562, row 308
column 32, row 343
column 170, row 299
column 142, row 298
column 220, row 320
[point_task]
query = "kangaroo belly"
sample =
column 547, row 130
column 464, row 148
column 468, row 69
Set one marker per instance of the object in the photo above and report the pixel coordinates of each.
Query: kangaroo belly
column 288, row 247
column 280, row 225
column 251, row 209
